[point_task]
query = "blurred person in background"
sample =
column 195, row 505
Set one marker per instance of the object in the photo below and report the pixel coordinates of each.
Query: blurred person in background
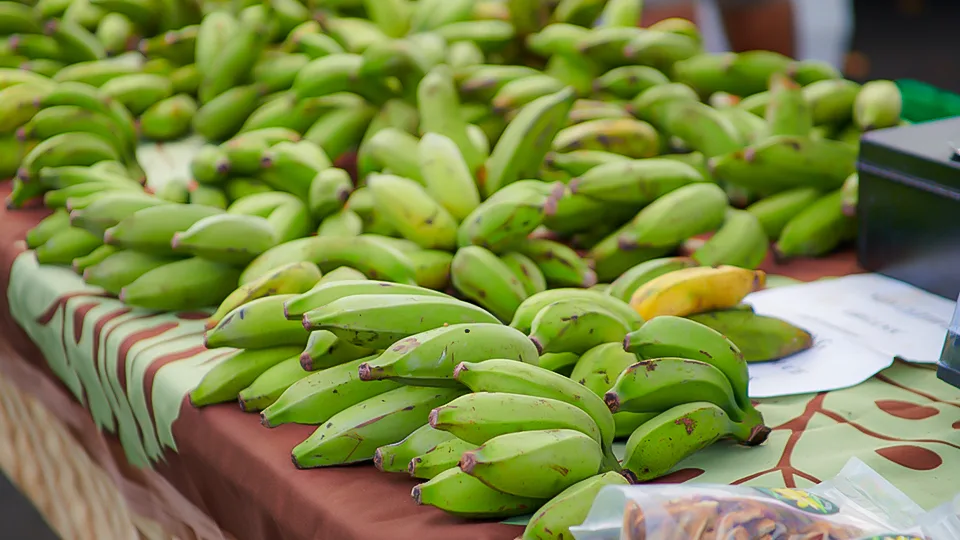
column 804, row 29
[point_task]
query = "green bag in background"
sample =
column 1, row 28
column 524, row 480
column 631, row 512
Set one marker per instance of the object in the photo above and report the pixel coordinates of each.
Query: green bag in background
column 923, row 102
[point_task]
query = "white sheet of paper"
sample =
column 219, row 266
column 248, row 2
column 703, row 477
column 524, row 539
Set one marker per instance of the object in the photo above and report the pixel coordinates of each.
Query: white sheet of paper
column 859, row 323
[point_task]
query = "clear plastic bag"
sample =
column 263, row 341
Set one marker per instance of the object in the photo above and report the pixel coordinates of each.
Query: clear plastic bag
column 858, row 504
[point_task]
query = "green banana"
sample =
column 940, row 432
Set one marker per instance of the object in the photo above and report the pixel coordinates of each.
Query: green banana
column 152, row 229
column 528, row 310
column 442, row 457
column 557, row 38
column 817, row 230
column 831, row 101
column 316, row 398
column 639, row 181
column 222, row 116
column 447, row 176
column 571, row 506
column 740, row 241
column 121, row 269
column 520, row 151
column 77, row 43
column 339, row 73
column 537, row 464
column 653, row 104
column 599, row 367
column 210, row 165
column 514, row 94
column 850, row 195
column 759, row 338
column 232, row 60
column 72, row 148
column 878, row 105
column 810, row 71
column 342, row 223
column 668, row 336
column 412, row 211
column 575, row 326
column 579, row 162
column 396, row 457
column 439, row 108
column 484, row 81
column 750, row 128
column 181, row 285
column 477, row 418
column 354, row 434
column 529, row 380
column 661, row 49
column 675, row 434
column 429, row 358
column 526, row 271
column 510, row 215
column 137, row 92
column 293, row 278
column 236, row 372
column 627, row 82
column 56, row 222
column 392, row 149
column 292, row 166
column 788, row 112
column 659, row 225
column 701, row 127
column 775, row 211
column 378, row 321
column 168, row 119
column 482, row 277
column 66, row 245
column 328, row 292
column 340, row 131
column 656, row 385
column 460, row 494
column 227, row 238
column 342, row 273
column 561, row 265
column 324, row 350
column 206, row 195
column 626, row 136
column 270, row 385
column 624, row 286
column 329, row 191
column 53, row 121
column 559, row 362
column 257, row 324
column 432, row 268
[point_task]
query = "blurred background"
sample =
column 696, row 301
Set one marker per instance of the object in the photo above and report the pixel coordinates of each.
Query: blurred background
column 868, row 39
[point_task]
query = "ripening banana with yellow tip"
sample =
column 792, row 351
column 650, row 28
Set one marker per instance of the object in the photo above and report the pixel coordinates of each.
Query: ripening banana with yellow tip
column 695, row 290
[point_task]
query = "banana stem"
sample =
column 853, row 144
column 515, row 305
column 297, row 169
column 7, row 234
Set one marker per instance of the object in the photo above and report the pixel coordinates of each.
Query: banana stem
column 610, row 461
column 751, row 431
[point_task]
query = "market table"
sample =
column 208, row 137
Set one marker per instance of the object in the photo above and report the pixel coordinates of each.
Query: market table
column 66, row 344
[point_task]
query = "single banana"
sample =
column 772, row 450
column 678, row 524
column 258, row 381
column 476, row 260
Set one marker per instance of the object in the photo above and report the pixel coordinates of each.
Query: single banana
column 627, row 82
column 339, row 73
column 429, row 358
column 575, row 326
column 759, row 338
column 517, row 93
column 438, row 459
column 342, row 273
column 680, row 214
column 432, row 268
column 72, row 148
column 626, row 136
column 210, row 165
column 56, row 222
column 477, row 418
column 537, row 464
column 396, row 457
column 701, row 127
column 439, row 107
column 168, row 119
column 599, row 367
column 121, row 269
column 447, row 175
column 152, row 229
column 520, row 151
column 291, row 167
column 669, row 336
column 222, row 116
column 817, row 230
column 485, row 80
column 94, row 257
column 227, row 238
column 340, row 131
column 526, row 271
column 775, row 211
column 329, row 191
column 631, row 280
column 850, row 195
column 460, row 494
column 608, row 44
column 482, row 277
column 232, row 62
column 516, row 378
column 107, row 209
column 325, row 350
column 639, row 181
column 391, row 149
column 181, row 285
column 528, row 310
column 831, row 101
column 571, row 506
column 354, row 434
column 750, row 128
column 509, row 216
column 673, row 435
column 342, row 223
column 878, row 105
column 53, row 121
column 327, row 292
column 578, row 162
column 654, row 386
column 378, row 321
column 320, row 395
column 66, row 245
column 270, row 385
column 695, row 290
column 561, row 265
column 413, row 212
column 788, row 112
column 810, row 71
column 661, row 49
column 293, row 278
column 137, row 92
column 557, row 38
column 257, row 324
column 559, row 362
column 236, row 372
column 740, row 241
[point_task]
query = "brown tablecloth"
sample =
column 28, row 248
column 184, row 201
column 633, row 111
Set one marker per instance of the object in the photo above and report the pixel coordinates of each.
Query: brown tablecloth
column 238, row 473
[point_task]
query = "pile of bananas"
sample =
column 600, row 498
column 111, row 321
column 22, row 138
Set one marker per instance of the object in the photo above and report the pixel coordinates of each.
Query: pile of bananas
column 435, row 228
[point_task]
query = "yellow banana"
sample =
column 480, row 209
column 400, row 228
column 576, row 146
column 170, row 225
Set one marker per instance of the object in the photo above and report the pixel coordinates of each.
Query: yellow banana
column 695, row 290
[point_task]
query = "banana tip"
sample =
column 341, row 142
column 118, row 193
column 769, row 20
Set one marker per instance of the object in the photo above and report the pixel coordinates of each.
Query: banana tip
column 537, row 344
column 589, row 279
column 415, row 493
column 296, row 463
column 758, row 435
column 630, row 476
column 306, row 323
column 467, row 462
column 612, row 400
column 306, row 362
column 123, row 295
column 365, row 372
column 574, row 185
column 434, row 418
column 264, row 421
column 175, row 241
column 626, row 343
column 412, row 466
column 378, row 460
column 461, row 367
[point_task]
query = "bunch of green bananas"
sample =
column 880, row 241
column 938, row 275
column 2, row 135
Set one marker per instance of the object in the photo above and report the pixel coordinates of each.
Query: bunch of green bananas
column 435, row 228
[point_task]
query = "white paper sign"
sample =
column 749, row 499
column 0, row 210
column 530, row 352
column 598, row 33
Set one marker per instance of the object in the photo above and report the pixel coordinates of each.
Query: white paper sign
column 859, row 323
